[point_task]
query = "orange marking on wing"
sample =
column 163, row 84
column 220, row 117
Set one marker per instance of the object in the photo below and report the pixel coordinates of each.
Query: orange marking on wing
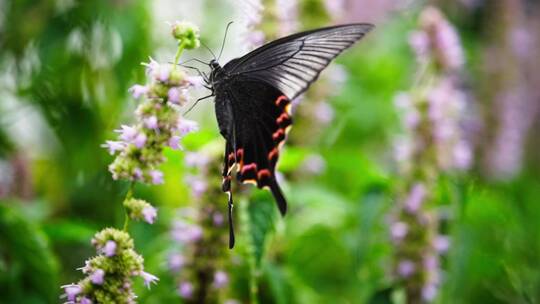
column 264, row 173
column 278, row 134
column 281, row 99
column 239, row 153
column 288, row 108
column 282, row 118
column 252, row 166
column 273, row 154
column 250, row 181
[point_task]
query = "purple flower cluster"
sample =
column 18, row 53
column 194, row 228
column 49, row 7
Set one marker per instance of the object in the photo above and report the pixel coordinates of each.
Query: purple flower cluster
column 139, row 147
column 252, row 14
column 433, row 144
column 433, row 115
column 437, row 39
column 199, row 235
column 109, row 274
column 287, row 15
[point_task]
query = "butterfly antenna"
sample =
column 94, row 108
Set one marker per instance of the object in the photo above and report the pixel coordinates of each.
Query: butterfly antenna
column 224, row 39
column 208, row 50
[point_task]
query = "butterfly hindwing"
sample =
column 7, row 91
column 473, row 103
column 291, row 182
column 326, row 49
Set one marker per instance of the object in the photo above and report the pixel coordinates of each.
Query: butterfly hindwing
column 261, row 120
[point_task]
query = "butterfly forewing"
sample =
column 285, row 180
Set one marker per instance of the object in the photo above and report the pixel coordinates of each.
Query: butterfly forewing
column 292, row 63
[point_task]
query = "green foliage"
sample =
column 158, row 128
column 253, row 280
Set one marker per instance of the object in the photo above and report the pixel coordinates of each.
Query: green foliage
column 333, row 246
column 28, row 268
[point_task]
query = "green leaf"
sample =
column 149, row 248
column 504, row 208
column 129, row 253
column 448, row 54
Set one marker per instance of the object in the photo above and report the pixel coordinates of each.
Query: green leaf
column 30, row 270
column 262, row 213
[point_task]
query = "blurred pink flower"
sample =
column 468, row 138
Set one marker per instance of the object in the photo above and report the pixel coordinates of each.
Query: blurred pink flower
column 406, row 268
column 185, row 290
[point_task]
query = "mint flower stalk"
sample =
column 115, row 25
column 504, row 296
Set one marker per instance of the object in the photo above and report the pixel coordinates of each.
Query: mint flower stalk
column 139, row 152
column 200, row 256
column 433, row 145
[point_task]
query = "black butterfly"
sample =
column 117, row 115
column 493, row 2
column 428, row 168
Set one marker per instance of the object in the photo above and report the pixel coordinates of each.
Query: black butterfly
column 253, row 100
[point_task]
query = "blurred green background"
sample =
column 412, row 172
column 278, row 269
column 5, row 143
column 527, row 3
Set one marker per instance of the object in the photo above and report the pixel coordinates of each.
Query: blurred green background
column 66, row 66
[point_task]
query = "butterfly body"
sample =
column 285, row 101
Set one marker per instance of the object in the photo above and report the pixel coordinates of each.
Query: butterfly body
column 253, row 97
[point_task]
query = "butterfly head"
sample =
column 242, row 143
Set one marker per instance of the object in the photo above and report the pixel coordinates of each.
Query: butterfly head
column 214, row 64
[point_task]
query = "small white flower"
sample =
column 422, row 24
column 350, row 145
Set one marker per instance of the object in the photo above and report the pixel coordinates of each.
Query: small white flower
column 185, row 126
column 114, row 146
column 138, row 90
column 149, row 213
column 148, row 278
column 195, row 81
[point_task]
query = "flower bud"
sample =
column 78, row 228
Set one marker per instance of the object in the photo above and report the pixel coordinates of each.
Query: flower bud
column 187, row 34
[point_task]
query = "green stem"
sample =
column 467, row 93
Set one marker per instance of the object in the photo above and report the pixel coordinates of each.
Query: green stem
column 129, row 194
column 181, row 46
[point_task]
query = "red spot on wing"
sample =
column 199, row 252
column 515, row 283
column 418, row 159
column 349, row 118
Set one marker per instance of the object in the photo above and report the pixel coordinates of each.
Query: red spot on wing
column 263, row 174
column 278, row 135
column 282, row 101
column 273, row 154
column 283, row 120
column 248, row 167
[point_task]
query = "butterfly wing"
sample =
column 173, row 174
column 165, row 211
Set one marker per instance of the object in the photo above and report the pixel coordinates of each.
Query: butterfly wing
column 253, row 101
column 254, row 118
column 292, row 63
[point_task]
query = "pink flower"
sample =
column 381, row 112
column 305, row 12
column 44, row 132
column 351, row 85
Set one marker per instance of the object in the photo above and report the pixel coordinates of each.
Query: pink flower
column 220, row 279
column 324, row 113
column 127, row 133
column 177, row 95
column 198, row 185
column 429, row 292
column 217, row 219
column 85, row 300
column 139, row 140
column 157, row 177
column 441, row 243
column 137, row 173
column 148, row 278
column 415, row 198
column 406, row 268
column 185, row 290
column 114, row 146
column 151, row 66
column 186, row 233
column 71, row 291
column 109, row 249
column 419, row 42
column 151, row 122
column 149, row 213
column 176, row 261
column 174, row 142
column 158, row 71
column 138, row 90
column 185, row 126
column 398, row 230
column 195, row 81
column 196, row 160
column 97, row 277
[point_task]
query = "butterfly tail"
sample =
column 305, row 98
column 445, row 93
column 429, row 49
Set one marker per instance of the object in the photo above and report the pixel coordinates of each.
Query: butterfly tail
column 278, row 195
column 231, row 226
column 226, row 187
